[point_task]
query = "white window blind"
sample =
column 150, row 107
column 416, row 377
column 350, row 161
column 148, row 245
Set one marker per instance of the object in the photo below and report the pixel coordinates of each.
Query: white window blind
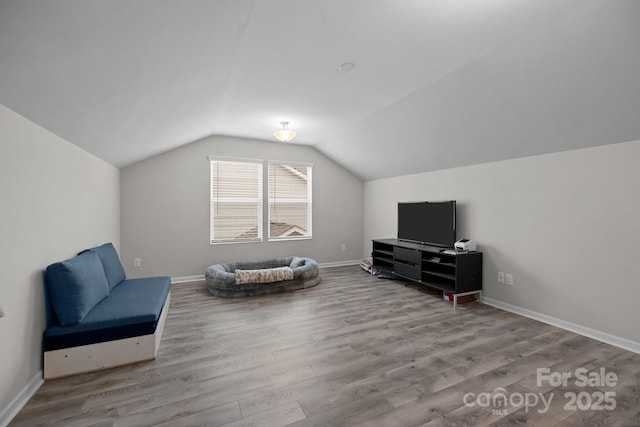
column 236, row 200
column 289, row 201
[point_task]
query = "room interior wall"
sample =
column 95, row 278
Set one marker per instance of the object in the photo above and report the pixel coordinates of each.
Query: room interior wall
column 56, row 200
column 564, row 224
column 165, row 210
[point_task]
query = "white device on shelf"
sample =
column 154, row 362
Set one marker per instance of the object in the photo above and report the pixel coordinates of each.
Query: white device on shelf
column 465, row 245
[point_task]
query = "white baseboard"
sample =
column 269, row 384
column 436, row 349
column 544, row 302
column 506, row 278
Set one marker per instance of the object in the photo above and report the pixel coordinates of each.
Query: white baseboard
column 200, row 278
column 21, row 399
column 563, row 324
column 339, row 263
column 187, row 279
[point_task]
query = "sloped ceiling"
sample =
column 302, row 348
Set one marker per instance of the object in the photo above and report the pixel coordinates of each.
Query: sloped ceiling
column 436, row 83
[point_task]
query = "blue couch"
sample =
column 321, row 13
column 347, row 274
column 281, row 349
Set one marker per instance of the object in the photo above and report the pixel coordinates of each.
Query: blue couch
column 96, row 317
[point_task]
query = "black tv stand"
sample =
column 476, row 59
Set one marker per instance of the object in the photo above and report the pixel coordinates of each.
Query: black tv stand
column 459, row 273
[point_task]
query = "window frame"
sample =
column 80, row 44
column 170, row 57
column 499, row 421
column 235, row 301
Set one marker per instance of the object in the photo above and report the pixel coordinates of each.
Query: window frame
column 308, row 200
column 259, row 198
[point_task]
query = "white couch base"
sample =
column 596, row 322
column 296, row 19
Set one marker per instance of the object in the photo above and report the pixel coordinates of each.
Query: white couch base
column 109, row 354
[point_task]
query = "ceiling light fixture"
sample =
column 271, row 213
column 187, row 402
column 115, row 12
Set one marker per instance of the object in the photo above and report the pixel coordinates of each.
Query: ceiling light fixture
column 284, row 134
column 346, row 67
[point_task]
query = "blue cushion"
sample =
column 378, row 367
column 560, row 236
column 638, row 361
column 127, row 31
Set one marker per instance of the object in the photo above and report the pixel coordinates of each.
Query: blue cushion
column 111, row 263
column 76, row 286
column 132, row 309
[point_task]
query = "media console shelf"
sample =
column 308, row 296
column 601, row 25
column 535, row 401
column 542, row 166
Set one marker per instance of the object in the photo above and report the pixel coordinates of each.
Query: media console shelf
column 460, row 274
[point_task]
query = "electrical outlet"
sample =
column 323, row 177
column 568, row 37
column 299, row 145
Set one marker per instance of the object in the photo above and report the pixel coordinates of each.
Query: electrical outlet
column 500, row 277
column 509, row 279
column 137, row 262
column 343, row 247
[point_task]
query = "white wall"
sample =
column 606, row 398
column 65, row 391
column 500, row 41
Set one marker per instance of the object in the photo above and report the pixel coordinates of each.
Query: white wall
column 565, row 224
column 56, row 199
column 165, row 210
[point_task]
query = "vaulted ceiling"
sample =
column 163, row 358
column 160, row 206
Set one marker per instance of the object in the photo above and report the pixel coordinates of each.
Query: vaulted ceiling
column 436, row 83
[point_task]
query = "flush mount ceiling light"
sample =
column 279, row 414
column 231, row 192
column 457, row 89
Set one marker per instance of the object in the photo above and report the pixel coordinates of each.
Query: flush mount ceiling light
column 346, row 67
column 284, row 134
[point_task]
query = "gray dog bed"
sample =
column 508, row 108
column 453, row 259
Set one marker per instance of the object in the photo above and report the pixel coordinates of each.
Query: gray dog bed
column 221, row 278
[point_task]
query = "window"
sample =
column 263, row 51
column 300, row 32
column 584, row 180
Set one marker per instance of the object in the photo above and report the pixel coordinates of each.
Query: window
column 289, row 201
column 236, row 200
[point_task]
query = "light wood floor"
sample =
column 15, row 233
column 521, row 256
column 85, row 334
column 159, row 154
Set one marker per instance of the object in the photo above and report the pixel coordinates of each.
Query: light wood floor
column 352, row 350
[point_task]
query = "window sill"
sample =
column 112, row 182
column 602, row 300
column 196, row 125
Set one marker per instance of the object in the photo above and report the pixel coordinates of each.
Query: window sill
column 289, row 239
column 233, row 242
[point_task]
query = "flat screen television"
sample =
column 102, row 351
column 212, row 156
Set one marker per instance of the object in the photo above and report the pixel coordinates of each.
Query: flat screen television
column 429, row 223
